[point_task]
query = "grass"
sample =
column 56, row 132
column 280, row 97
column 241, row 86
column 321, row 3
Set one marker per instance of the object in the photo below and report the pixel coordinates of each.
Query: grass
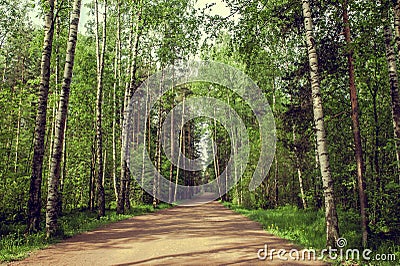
column 14, row 245
column 306, row 228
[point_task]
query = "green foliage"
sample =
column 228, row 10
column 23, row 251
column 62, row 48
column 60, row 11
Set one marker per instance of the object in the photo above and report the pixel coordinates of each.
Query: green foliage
column 264, row 39
column 307, row 229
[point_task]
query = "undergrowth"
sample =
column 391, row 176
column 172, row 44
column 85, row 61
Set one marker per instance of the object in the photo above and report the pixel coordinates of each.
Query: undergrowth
column 306, row 228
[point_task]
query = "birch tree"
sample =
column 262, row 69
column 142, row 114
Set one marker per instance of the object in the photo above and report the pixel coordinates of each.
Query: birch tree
column 298, row 167
column 396, row 12
column 99, row 101
column 394, row 83
column 332, row 228
column 54, row 179
column 131, row 86
column 117, row 84
column 34, row 202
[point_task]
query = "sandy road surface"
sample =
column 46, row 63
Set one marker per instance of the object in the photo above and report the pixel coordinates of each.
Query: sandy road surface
column 208, row 234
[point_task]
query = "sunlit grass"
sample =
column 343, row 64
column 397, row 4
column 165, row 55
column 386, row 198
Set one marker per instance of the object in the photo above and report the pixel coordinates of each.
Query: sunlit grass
column 307, row 229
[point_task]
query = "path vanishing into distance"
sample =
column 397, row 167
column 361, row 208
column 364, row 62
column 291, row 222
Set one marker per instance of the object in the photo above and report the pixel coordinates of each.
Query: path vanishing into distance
column 208, row 234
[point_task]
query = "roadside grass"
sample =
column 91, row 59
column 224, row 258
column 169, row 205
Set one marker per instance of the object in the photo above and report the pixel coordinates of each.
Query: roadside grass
column 15, row 245
column 306, row 228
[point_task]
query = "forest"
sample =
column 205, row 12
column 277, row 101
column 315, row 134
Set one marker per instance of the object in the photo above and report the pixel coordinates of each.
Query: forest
column 327, row 70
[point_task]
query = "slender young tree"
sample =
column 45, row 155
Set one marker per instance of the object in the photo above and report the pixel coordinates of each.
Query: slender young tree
column 276, row 188
column 92, row 176
column 215, row 155
column 54, row 179
column 99, row 100
column 17, row 137
column 332, row 227
column 394, row 85
column 157, row 159
column 130, row 89
column 56, row 82
column 356, row 128
column 34, row 202
column 298, row 167
column 171, row 167
column 235, row 152
column 122, row 186
column 396, row 12
column 179, row 148
column 117, row 84
column 146, row 121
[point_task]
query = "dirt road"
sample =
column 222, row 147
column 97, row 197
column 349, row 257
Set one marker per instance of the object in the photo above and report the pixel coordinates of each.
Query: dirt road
column 207, row 234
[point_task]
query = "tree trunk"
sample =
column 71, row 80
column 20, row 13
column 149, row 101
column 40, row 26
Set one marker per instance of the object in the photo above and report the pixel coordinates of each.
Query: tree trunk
column 184, row 173
column 375, row 210
column 171, row 168
column 179, row 149
column 215, row 164
column 215, row 156
column 276, row 190
column 130, row 89
column 17, row 137
column 92, row 177
column 63, row 170
column 332, row 228
column 56, row 81
column 156, row 160
column 356, row 130
column 298, row 166
column 117, row 84
column 54, row 179
column 99, row 101
column 121, row 192
column 104, row 167
column 147, row 114
column 234, row 147
column 394, row 86
column 276, row 187
column 156, row 184
column 216, row 161
column 397, row 24
column 34, row 202
column 317, row 184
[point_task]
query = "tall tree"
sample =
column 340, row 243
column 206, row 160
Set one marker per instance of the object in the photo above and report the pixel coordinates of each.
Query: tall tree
column 157, row 159
column 332, row 227
column 34, row 202
column 356, row 128
column 54, row 179
column 99, row 101
column 393, row 76
column 215, row 157
column 397, row 24
column 171, row 167
column 276, row 188
column 130, row 89
column 117, row 84
column 122, row 186
column 394, row 83
column 181, row 135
